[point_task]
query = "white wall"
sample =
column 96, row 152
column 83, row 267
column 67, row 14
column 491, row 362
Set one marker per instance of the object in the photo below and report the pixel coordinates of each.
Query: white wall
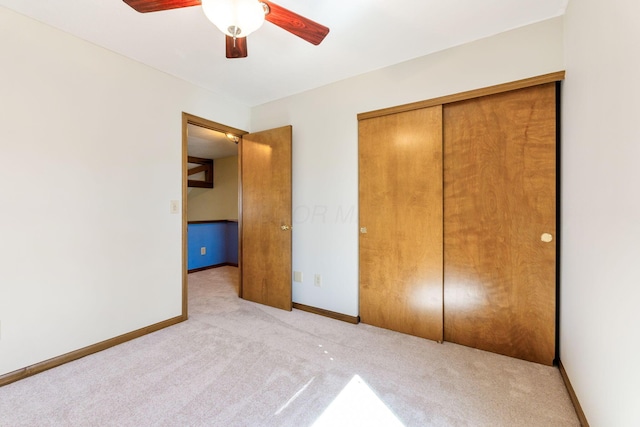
column 90, row 157
column 325, row 143
column 221, row 201
column 600, row 249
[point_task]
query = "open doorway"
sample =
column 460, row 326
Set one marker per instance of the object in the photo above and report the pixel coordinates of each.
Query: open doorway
column 210, row 196
column 264, row 211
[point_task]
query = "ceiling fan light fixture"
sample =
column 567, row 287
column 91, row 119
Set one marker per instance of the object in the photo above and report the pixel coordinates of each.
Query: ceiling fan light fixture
column 235, row 18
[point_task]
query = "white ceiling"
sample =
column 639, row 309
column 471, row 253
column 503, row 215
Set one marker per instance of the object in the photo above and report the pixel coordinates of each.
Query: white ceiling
column 209, row 144
column 364, row 35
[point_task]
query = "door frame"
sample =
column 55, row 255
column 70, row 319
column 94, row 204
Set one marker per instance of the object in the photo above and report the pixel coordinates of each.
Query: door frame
column 188, row 119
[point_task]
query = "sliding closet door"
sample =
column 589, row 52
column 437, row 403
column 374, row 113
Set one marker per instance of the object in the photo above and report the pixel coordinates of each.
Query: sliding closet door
column 400, row 204
column 500, row 223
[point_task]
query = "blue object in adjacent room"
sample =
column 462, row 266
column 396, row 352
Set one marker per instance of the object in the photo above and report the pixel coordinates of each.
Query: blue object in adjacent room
column 219, row 240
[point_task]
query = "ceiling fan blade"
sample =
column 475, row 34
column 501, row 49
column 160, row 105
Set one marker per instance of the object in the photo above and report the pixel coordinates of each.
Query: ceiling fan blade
column 144, row 6
column 236, row 48
column 299, row 25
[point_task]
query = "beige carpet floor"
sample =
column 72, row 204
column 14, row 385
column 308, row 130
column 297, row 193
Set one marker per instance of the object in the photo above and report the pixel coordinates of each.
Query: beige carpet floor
column 236, row 363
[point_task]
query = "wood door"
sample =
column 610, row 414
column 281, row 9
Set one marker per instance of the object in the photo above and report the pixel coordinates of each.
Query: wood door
column 266, row 217
column 400, row 205
column 499, row 207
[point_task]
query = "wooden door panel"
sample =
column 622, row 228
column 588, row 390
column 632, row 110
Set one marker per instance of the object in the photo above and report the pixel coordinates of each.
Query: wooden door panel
column 400, row 205
column 499, row 187
column 266, row 207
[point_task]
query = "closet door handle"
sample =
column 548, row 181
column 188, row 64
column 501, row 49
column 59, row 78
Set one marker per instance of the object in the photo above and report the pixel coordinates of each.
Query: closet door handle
column 363, row 230
column 546, row 237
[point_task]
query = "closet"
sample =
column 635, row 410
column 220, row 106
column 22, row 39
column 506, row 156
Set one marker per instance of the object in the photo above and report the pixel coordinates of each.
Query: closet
column 400, row 198
column 457, row 201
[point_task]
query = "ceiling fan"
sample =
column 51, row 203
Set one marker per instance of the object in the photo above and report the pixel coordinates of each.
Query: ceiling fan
column 238, row 18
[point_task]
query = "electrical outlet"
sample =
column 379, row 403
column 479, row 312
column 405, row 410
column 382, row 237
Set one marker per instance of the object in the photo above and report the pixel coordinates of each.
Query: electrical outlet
column 203, row 251
column 297, row 276
column 317, row 280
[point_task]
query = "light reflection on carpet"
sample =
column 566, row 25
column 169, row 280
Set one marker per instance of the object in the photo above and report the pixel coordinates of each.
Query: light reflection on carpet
column 357, row 405
column 295, row 396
